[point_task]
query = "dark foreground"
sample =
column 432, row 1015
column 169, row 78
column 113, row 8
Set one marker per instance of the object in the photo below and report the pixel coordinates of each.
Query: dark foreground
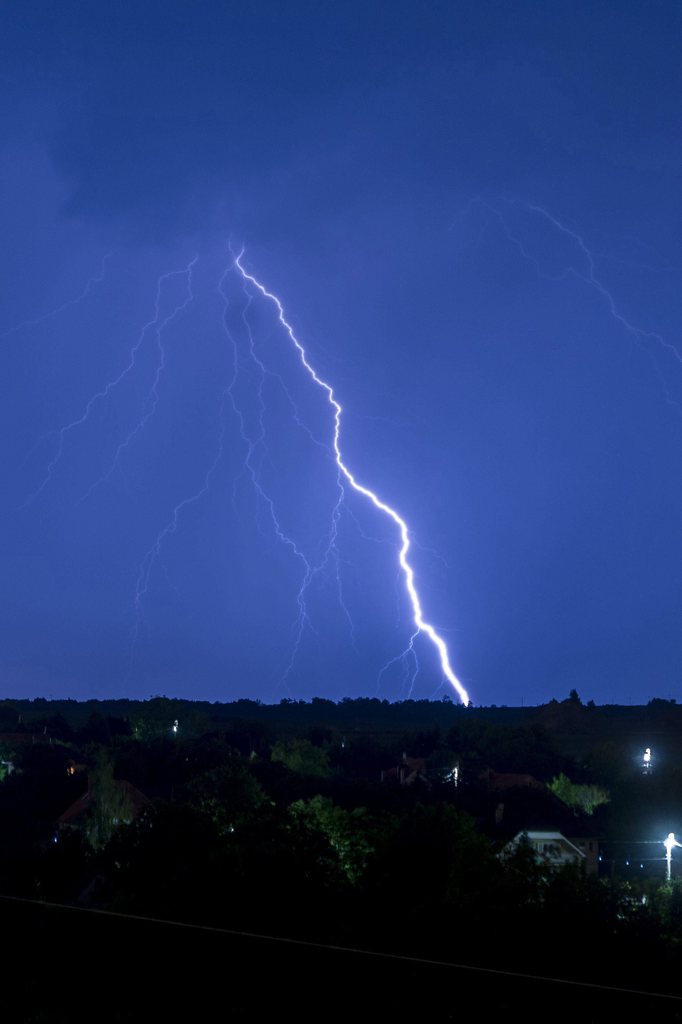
column 61, row 964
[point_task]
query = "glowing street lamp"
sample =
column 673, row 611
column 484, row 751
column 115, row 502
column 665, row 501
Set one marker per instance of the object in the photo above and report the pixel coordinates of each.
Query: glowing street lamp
column 646, row 759
column 669, row 844
column 174, row 726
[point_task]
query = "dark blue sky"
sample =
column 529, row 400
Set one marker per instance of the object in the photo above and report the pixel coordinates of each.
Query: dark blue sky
column 471, row 212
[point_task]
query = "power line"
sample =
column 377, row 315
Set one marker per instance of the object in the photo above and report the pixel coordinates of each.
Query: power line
column 329, row 947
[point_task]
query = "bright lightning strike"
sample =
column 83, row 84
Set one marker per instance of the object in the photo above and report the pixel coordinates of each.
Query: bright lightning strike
column 421, row 625
column 255, row 441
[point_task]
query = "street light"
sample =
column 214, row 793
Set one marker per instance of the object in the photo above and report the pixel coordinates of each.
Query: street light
column 669, row 844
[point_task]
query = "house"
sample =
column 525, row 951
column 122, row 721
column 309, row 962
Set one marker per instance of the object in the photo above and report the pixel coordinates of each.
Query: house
column 121, row 804
column 12, row 742
column 23, row 739
column 550, row 848
column 498, row 782
column 407, row 771
column 510, row 805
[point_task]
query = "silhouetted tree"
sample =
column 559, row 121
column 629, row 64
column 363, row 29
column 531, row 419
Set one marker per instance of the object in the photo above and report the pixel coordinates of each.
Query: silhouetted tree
column 301, row 756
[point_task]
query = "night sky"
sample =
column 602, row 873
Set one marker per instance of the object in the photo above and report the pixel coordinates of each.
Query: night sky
column 471, row 213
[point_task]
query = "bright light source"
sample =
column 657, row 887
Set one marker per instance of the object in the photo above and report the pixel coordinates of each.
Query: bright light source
column 669, row 844
column 174, row 726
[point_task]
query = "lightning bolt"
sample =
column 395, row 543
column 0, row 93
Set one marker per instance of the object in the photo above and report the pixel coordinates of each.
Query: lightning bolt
column 90, row 284
column 330, row 553
column 263, row 373
column 152, row 399
column 256, row 452
column 154, row 552
column 326, row 559
column 589, row 276
column 158, row 324
column 344, row 473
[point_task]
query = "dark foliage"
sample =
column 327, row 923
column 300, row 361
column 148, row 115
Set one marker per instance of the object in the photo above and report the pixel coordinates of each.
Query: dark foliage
column 281, row 825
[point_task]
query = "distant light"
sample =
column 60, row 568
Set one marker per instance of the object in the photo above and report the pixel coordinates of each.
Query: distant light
column 174, row 726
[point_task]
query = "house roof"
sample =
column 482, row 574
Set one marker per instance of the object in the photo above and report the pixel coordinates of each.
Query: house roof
column 510, row 780
column 137, row 801
column 548, row 837
column 406, row 770
column 540, row 835
column 17, row 738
